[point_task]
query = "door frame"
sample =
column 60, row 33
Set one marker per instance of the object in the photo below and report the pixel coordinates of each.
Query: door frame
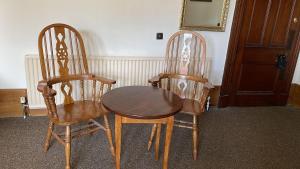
column 227, row 87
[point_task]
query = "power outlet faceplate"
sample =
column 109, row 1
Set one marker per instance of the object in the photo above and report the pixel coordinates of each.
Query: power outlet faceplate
column 23, row 100
column 159, row 36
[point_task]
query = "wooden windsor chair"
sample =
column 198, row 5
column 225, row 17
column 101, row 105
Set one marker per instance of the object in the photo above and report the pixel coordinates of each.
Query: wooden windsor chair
column 64, row 67
column 184, row 74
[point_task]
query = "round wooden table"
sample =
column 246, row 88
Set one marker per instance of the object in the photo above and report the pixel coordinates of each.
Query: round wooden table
column 142, row 104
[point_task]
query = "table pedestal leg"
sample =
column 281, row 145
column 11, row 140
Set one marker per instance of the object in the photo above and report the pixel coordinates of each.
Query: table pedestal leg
column 118, row 137
column 169, row 130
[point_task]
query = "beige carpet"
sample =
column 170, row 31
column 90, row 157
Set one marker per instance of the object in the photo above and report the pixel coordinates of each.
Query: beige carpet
column 231, row 138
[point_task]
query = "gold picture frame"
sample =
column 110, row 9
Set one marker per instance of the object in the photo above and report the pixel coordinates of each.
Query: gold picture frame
column 220, row 27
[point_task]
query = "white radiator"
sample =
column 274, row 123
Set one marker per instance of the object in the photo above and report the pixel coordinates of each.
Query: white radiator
column 125, row 70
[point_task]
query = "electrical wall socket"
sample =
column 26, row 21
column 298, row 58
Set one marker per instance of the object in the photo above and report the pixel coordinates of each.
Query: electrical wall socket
column 23, row 100
column 159, row 36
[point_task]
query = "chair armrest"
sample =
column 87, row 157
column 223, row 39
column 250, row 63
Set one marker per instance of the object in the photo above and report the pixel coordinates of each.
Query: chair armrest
column 154, row 81
column 208, row 86
column 103, row 80
column 45, row 89
column 60, row 79
column 49, row 98
column 206, row 89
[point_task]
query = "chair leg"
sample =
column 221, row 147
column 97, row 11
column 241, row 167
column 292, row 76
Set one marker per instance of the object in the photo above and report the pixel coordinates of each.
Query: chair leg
column 195, row 137
column 157, row 141
column 108, row 133
column 48, row 137
column 152, row 136
column 68, row 147
column 89, row 123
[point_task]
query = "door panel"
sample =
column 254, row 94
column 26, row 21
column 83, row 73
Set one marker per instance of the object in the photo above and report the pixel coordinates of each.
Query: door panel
column 251, row 82
column 260, row 55
column 258, row 22
column 268, row 30
column 284, row 17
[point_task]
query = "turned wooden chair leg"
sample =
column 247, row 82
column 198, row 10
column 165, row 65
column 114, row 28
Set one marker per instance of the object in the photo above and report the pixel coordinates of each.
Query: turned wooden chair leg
column 48, row 137
column 157, row 141
column 90, row 123
column 109, row 137
column 68, row 147
column 195, row 137
column 152, row 136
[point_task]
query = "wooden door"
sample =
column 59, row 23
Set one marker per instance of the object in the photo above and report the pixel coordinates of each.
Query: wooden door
column 266, row 53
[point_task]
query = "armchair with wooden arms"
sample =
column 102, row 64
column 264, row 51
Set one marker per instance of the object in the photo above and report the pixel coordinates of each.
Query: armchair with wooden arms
column 184, row 74
column 64, row 67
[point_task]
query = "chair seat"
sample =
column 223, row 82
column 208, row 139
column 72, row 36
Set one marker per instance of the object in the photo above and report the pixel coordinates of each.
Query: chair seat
column 191, row 107
column 78, row 111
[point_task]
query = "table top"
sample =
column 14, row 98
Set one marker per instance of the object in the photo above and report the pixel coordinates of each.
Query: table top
column 142, row 102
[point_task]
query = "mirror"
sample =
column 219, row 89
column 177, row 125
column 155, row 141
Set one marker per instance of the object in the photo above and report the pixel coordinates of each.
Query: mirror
column 209, row 15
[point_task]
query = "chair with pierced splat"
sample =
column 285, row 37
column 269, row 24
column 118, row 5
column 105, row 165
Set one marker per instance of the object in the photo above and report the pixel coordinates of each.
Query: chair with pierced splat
column 185, row 74
column 64, row 67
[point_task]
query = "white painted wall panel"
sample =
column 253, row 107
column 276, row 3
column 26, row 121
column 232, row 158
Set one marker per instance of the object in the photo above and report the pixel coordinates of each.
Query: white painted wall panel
column 109, row 28
column 296, row 78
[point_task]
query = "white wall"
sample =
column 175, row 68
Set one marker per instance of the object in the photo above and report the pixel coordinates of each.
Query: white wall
column 109, row 28
column 296, row 78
